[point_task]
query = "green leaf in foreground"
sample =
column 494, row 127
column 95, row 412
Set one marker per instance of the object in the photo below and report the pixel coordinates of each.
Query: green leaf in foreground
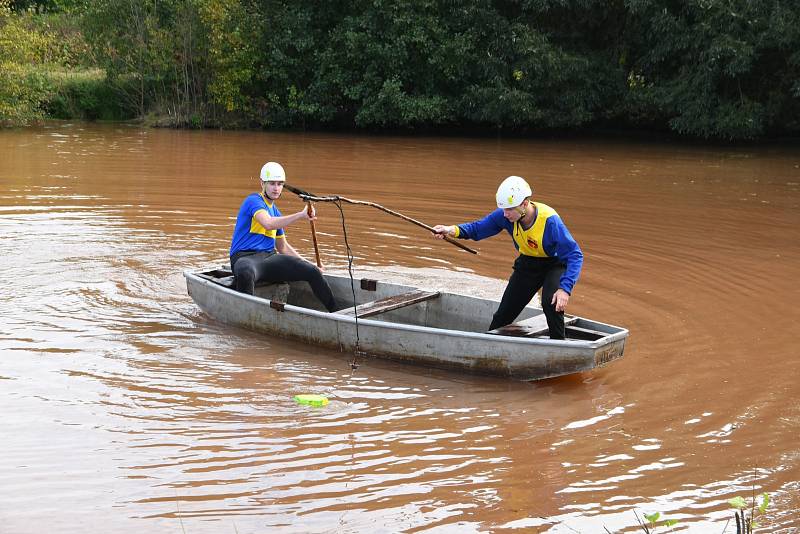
column 652, row 517
column 738, row 503
column 764, row 502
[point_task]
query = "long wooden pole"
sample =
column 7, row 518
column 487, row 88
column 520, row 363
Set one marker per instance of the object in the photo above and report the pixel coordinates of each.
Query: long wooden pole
column 314, row 235
column 312, row 198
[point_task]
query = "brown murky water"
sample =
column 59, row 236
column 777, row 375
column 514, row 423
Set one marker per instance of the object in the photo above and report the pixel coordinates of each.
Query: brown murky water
column 124, row 409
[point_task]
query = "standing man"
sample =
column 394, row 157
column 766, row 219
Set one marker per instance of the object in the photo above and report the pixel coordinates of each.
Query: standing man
column 259, row 249
column 549, row 258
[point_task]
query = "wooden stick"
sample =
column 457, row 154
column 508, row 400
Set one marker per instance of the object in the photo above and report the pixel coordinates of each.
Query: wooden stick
column 314, row 236
column 311, row 198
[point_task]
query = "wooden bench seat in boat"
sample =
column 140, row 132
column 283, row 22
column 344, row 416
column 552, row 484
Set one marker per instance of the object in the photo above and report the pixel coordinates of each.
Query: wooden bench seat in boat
column 530, row 327
column 368, row 309
column 576, row 332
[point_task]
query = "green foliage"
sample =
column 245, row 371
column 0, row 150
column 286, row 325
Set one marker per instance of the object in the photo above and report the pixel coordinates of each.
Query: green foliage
column 715, row 69
column 41, row 6
column 231, row 52
column 652, row 517
column 23, row 92
column 738, row 503
column 652, row 520
column 415, row 64
column 23, row 86
column 187, row 59
column 226, row 57
column 87, row 96
column 66, row 44
column 702, row 68
column 127, row 37
column 43, row 73
column 764, row 502
column 746, row 523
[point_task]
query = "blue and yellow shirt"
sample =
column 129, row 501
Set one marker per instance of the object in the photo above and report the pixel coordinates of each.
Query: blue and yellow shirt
column 548, row 237
column 248, row 234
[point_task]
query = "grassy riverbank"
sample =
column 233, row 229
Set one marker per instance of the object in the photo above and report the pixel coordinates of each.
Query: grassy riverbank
column 47, row 71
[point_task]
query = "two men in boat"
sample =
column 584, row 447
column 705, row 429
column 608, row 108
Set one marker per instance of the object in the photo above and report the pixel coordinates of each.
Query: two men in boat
column 549, row 258
column 259, row 249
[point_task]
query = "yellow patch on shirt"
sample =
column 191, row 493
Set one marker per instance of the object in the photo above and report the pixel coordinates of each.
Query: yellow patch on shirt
column 530, row 241
column 257, row 228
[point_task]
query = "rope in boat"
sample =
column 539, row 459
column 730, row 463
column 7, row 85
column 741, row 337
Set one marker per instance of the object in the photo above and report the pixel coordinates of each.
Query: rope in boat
column 337, row 200
column 357, row 350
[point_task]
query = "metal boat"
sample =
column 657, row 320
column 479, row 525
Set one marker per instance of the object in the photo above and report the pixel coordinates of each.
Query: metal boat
column 408, row 324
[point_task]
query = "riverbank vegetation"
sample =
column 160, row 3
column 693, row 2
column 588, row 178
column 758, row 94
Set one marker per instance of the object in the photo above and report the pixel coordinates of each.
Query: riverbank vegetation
column 713, row 69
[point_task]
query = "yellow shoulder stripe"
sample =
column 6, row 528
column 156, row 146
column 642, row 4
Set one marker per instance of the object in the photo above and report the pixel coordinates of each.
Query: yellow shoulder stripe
column 257, row 228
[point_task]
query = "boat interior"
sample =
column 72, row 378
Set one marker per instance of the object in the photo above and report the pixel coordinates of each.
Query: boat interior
column 396, row 303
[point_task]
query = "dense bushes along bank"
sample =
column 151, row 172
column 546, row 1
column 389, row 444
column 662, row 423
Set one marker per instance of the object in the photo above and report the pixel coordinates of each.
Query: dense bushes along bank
column 704, row 68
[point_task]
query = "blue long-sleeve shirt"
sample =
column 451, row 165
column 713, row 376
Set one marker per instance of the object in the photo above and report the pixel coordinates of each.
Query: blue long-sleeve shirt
column 557, row 242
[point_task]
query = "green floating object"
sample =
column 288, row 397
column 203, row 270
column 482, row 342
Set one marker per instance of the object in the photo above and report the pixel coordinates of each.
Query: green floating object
column 311, row 400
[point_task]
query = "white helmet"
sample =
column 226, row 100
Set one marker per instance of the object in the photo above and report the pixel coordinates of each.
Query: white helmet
column 273, row 172
column 512, row 191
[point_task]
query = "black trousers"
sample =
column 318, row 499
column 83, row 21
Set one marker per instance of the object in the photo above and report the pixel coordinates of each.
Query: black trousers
column 531, row 274
column 251, row 268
